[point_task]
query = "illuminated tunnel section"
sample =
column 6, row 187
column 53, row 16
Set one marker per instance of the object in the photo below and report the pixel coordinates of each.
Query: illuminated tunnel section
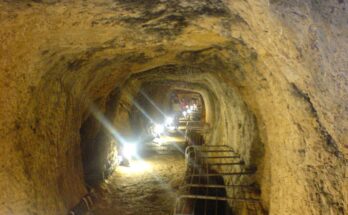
column 141, row 107
column 98, row 144
column 79, row 79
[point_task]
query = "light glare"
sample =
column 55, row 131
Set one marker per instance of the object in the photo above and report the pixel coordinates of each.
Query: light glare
column 129, row 150
column 159, row 129
column 169, row 121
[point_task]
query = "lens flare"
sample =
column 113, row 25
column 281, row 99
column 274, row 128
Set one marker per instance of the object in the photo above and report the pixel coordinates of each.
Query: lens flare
column 129, row 150
column 159, row 129
column 152, row 102
column 169, row 121
column 106, row 123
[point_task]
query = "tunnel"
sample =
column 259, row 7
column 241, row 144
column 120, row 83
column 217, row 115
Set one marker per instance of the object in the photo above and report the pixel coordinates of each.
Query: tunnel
column 226, row 107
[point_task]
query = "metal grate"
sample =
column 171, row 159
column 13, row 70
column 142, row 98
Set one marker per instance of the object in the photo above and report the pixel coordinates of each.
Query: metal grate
column 204, row 190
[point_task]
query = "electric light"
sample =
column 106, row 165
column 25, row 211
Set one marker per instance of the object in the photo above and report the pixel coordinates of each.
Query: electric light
column 171, row 128
column 159, row 129
column 129, row 150
column 184, row 113
column 169, row 121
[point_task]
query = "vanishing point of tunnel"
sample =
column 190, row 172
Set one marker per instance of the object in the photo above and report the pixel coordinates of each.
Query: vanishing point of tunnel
column 173, row 107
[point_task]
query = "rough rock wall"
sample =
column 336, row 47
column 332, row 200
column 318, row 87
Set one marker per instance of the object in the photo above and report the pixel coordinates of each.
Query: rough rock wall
column 306, row 155
column 98, row 144
column 286, row 62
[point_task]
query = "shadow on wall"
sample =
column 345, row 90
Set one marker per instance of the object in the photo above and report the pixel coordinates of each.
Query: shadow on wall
column 97, row 144
column 257, row 148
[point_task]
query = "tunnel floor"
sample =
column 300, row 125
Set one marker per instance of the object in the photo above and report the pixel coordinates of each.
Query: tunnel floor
column 149, row 186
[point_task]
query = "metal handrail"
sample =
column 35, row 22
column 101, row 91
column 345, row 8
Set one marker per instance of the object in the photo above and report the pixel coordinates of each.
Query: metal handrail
column 204, row 146
column 202, row 157
column 218, row 157
column 226, row 164
column 222, row 198
column 220, row 174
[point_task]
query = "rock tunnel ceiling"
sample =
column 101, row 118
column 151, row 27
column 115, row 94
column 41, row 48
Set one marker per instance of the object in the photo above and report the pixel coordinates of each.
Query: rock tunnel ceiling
column 273, row 73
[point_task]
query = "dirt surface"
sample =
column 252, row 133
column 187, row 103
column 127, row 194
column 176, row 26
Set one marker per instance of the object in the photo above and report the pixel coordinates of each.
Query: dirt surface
column 148, row 186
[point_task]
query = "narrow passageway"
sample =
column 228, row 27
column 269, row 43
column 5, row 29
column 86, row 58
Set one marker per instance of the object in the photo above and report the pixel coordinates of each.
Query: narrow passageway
column 148, row 187
column 148, row 182
column 173, row 107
